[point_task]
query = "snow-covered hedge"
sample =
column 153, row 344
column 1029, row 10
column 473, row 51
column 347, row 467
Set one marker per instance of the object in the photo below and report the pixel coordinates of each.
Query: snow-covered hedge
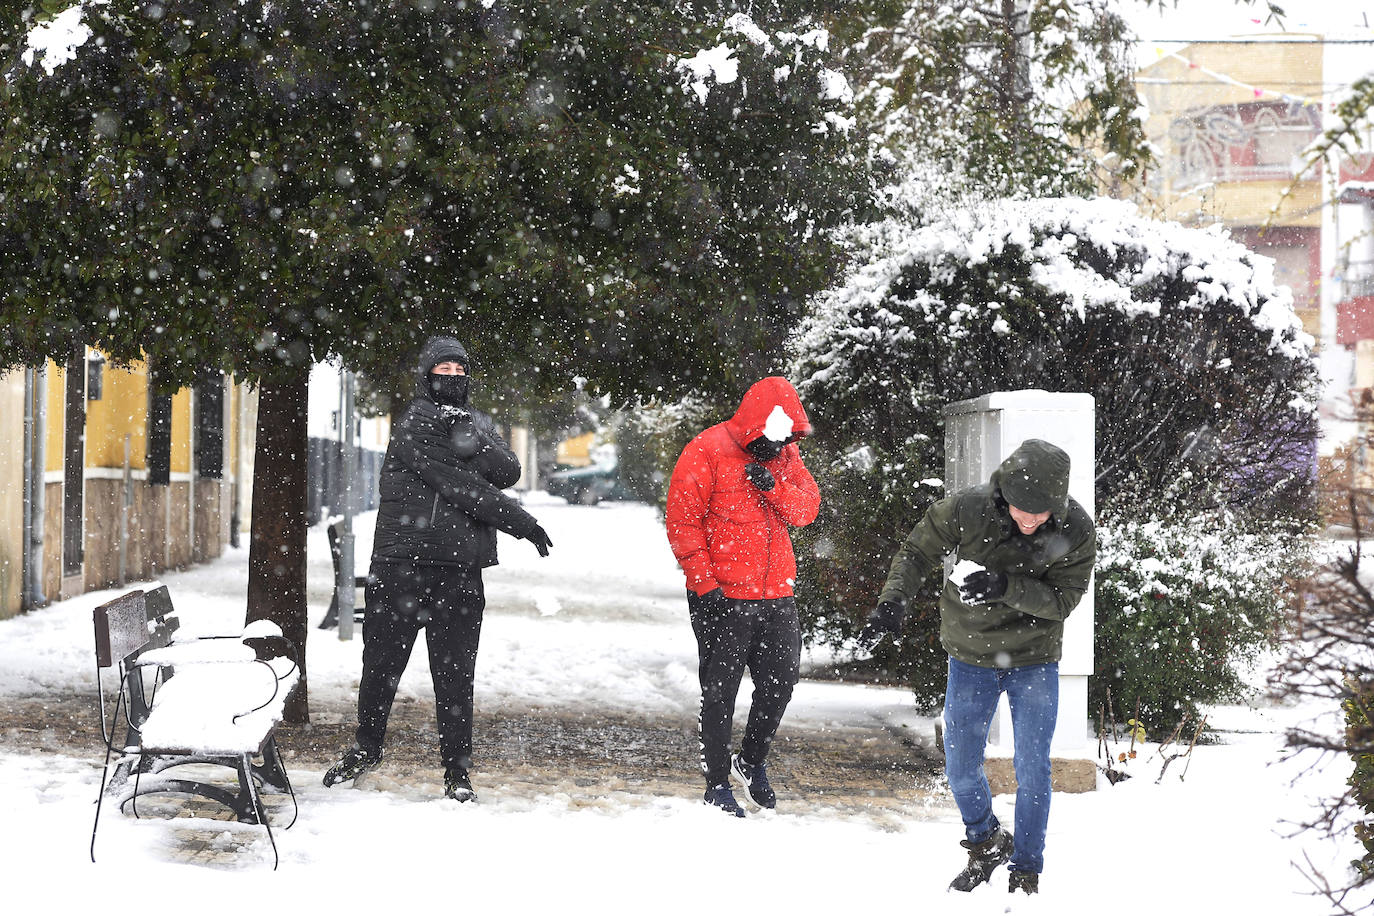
column 1185, row 604
column 1204, row 381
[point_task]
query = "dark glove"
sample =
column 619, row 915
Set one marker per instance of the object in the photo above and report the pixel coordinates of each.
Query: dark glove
column 983, row 586
column 712, row 604
column 541, row 540
column 760, row 476
column 883, row 621
column 464, row 437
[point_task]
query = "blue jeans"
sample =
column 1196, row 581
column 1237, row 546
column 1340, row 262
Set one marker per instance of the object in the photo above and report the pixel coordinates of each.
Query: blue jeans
column 970, row 703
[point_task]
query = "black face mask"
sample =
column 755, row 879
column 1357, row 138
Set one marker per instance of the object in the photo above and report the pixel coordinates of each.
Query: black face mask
column 449, row 389
column 765, row 449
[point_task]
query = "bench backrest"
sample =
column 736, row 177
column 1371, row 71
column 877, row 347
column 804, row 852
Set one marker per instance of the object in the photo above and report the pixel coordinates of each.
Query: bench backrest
column 133, row 623
column 161, row 616
column 121, row 629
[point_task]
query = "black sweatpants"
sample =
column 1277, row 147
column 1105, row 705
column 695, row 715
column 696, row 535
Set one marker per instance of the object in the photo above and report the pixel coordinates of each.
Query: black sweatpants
column 447, row 601
column 763, row 635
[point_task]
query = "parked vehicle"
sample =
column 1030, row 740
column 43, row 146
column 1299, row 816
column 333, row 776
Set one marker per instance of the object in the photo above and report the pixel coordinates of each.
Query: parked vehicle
column 588, row 486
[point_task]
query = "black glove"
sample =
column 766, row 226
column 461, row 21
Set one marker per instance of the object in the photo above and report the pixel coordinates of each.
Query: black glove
column 760, row 476
column 464, row 437
column 983, row 586
column 711, row 604
column 883, row 621
column 541, row 540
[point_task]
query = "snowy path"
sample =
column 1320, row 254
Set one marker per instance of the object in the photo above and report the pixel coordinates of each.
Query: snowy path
column 586, row 701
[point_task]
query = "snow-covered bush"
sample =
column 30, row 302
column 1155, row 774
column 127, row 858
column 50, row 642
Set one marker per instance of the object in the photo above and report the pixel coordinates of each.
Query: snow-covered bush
column 1185, row 604
column 652, row 436
column 1203, row 378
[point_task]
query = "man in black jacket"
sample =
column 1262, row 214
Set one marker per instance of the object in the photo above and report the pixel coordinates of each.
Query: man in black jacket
column 436, row 529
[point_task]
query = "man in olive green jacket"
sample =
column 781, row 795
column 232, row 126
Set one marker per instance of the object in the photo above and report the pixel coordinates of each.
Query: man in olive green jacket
column 1003, row 627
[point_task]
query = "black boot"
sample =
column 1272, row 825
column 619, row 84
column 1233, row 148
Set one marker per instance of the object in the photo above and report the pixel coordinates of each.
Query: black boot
column 355, row 762
column 1024, row 881
column 457, row 786
column 982, row 859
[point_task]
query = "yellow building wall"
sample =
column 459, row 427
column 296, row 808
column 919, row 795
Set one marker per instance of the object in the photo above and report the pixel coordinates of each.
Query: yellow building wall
column 576, row 451
column 232, row 400
column 1251, row 203
column 57, row 410
column 181, row 431
column 1290, row 67
column 122, row 410
column 12, row 486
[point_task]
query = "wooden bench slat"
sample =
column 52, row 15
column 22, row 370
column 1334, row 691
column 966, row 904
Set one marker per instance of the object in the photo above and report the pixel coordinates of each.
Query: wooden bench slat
column 121, row 629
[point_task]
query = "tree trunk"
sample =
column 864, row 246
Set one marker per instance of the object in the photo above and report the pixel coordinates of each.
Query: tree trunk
column 276, row 556
column 1013, row 69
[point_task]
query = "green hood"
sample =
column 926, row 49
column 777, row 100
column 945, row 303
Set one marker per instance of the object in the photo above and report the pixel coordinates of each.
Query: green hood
column 1035, row 477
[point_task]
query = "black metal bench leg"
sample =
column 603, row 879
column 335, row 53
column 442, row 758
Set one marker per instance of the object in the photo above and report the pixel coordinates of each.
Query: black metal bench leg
column 331, row 616
column 272, row 773
column 259, row 810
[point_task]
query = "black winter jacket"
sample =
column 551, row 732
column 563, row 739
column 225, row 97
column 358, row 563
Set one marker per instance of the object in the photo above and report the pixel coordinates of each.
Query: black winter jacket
column 437, row 508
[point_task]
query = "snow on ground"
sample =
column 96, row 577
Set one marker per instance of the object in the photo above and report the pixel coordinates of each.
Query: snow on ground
column 601, row 625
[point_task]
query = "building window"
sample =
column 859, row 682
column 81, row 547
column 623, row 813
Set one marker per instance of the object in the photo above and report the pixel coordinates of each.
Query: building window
column 74, row 466
column 159, row 435
column 95, row 376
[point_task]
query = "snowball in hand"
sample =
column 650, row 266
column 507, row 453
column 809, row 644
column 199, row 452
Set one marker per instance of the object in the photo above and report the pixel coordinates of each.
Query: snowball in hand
column 962, row 570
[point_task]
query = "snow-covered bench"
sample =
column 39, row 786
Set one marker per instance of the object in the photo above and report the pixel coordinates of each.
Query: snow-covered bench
column 212, row 700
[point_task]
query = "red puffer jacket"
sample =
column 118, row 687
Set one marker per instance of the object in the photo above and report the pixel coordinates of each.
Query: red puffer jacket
column 726, row 532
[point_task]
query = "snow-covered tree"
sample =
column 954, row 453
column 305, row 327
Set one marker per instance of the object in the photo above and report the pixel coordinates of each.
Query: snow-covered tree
column 1007, row 96
column 1204, row 382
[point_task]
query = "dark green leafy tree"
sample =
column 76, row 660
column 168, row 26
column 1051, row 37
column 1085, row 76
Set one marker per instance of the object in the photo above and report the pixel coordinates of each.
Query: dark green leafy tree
column 257, row 186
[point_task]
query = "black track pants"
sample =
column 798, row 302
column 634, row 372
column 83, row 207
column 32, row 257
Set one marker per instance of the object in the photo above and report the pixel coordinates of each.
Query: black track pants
column 447, row 601
column 763, row 635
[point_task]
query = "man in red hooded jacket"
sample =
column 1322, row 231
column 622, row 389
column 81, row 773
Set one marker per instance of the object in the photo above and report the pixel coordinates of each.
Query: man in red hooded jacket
column 734, row 492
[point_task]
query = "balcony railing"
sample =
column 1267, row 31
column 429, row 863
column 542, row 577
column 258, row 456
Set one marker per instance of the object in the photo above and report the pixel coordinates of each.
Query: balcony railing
column 1357, row 280
column 1226, row 172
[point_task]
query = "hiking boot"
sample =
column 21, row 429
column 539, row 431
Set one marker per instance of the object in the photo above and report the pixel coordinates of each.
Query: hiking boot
column 754, row 778
column 457, row 786
column 721, row 797
column 1024, row 881
column 982, row 859
column 354, row 763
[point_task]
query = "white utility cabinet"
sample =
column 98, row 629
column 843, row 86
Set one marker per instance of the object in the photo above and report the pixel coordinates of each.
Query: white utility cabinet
column 979, row 434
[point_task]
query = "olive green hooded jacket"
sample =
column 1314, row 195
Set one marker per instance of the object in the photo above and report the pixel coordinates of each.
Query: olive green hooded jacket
column 1047, row 572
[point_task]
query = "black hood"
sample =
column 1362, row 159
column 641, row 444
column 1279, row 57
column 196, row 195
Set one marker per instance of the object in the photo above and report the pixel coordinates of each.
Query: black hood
column 438, row 350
